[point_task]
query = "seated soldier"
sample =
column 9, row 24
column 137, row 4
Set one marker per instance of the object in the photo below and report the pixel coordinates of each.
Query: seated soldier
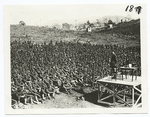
column 21, row 93
column 74, row 82
column 50, row 89
column 57, row 82
column 67, row 86
column 33, row 91
column 13, row 88
column 94, row 82
column 50, row 92
column 43, row 87
column 48, row 81
column 28, row 91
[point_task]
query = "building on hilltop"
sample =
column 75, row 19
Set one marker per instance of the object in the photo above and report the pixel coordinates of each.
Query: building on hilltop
column 110, row 24
column 66, row 26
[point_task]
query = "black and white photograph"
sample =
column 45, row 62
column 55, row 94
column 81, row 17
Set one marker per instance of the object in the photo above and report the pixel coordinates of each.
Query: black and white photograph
column 75, row 56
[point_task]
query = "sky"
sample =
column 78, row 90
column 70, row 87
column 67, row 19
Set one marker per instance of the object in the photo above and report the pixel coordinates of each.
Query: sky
column 49, row 14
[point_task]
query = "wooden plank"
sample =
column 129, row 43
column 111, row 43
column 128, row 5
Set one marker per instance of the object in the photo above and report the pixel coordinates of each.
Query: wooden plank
column 140, row 104
column 137, row 89
column 138, row 100
column 134, row 83
column 128, row 68
column 107, row 88
column 119, row 81
column 100, row 93
column 122, row 100
column 123, row 90
column 114, row 100
column 106, row 97
column 103, row 102
column 133, row 96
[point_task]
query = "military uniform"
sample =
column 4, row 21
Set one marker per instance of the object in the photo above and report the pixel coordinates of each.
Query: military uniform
column 43, row 87
column 21, row 93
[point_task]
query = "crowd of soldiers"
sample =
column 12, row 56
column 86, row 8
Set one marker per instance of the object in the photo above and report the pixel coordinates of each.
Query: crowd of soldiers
column 38, row 70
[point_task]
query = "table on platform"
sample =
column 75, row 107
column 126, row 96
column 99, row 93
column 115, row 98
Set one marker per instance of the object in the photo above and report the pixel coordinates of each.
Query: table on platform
column 132, row 69
column 116, row 89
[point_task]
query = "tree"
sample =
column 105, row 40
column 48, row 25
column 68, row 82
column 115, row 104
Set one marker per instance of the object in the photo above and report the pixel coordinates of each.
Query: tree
column 65, row 26
column 88, row 22
column 110, row 22
column 22, row 23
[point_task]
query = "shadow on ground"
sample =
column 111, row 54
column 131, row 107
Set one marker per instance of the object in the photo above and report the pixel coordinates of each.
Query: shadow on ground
column 90, row 95
column 93, row 97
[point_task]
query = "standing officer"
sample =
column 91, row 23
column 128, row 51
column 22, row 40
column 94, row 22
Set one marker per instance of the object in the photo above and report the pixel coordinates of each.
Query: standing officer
column 113, row 62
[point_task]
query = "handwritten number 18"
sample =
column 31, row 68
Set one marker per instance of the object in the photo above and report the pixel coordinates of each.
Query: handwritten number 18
column 130, row 8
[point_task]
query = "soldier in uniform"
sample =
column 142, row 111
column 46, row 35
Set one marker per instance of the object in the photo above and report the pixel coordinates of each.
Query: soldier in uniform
column 33, row 87
column 13, row 90
column 113, row 62
column 42, row 88
column 50, row 89
column 21, row 93
column 13, row 87
column 67, row 86
column 50, row 92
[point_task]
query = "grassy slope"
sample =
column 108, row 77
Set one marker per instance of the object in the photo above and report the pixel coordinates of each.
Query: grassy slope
column 127, row 33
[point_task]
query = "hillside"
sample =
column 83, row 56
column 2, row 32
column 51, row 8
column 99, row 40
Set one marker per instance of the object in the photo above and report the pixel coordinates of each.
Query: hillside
column 131, row 28
column 127, row 33
column 103, row 19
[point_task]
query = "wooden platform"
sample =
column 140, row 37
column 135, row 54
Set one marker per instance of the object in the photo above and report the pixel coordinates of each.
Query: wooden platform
column 116, row 89
column 119, row 80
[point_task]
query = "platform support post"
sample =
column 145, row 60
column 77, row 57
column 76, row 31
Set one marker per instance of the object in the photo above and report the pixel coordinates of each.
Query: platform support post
column 132, row 96
column 114, row 94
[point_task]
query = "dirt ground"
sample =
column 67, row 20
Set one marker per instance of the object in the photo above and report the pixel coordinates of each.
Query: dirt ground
column 64, row 100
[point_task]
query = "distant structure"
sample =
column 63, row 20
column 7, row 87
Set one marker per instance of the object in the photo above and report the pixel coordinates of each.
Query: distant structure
column 66, row 26
column 72, row 27
column 110, row 23
column 89, row 29
column 22, row 23
column 126, row 19
column 88, row 26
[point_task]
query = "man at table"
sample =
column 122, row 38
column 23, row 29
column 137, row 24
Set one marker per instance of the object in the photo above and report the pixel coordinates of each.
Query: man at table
column 113, row 62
